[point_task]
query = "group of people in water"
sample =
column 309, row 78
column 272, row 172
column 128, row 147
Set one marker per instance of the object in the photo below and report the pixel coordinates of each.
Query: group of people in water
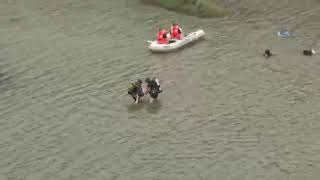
column 267, row 53
column 165, row 37
column 139, row 89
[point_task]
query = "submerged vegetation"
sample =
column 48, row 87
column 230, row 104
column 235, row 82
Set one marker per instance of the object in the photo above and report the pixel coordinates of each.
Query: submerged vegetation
column 201, row 8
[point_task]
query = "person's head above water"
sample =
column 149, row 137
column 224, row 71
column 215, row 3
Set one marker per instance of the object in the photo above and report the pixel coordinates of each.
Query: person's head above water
column 267, row 53
column 139, row 81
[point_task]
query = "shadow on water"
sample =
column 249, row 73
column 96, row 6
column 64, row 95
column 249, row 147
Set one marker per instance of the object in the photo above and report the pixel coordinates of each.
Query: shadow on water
column 132, row 107
column 151, row 107
column 154, row 107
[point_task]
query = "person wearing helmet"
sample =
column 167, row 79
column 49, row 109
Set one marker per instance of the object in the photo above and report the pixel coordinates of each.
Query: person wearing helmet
column 176, row 31
column 135, row 90
column 153, row 87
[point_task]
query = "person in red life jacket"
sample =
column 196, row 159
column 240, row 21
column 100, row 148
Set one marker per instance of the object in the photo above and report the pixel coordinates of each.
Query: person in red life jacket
column 176, row 31
column 163, row 37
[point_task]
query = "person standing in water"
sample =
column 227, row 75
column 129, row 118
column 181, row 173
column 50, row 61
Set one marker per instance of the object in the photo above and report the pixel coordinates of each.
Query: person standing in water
column 135, row 90
column 153, row 87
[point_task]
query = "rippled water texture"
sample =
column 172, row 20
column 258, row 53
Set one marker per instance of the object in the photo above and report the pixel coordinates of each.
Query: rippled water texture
column 226, row 112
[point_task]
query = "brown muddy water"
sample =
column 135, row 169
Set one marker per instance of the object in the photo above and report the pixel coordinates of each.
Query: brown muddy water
column 226, row 112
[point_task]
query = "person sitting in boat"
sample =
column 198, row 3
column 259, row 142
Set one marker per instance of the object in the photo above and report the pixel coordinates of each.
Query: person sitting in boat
column 163, row 37
column 135, row 90
column 176, row 31
column 153, row 87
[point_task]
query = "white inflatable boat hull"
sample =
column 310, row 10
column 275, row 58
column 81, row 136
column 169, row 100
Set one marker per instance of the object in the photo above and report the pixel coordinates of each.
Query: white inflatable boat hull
column 156, row 47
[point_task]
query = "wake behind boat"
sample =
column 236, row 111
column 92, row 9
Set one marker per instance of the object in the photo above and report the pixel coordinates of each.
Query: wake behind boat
column 157, row 47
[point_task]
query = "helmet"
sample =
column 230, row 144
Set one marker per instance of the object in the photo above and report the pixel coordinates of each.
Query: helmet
column 147, row 80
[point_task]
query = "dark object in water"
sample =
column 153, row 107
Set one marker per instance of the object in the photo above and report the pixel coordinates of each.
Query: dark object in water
column 309, row 52
column 267, row 53
column 154, row 87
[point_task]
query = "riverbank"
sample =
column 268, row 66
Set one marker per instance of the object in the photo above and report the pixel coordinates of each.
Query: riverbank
column 200, row 8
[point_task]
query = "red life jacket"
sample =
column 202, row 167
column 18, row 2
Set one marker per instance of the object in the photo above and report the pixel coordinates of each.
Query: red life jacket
column 176, row 32
column 162, row 37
